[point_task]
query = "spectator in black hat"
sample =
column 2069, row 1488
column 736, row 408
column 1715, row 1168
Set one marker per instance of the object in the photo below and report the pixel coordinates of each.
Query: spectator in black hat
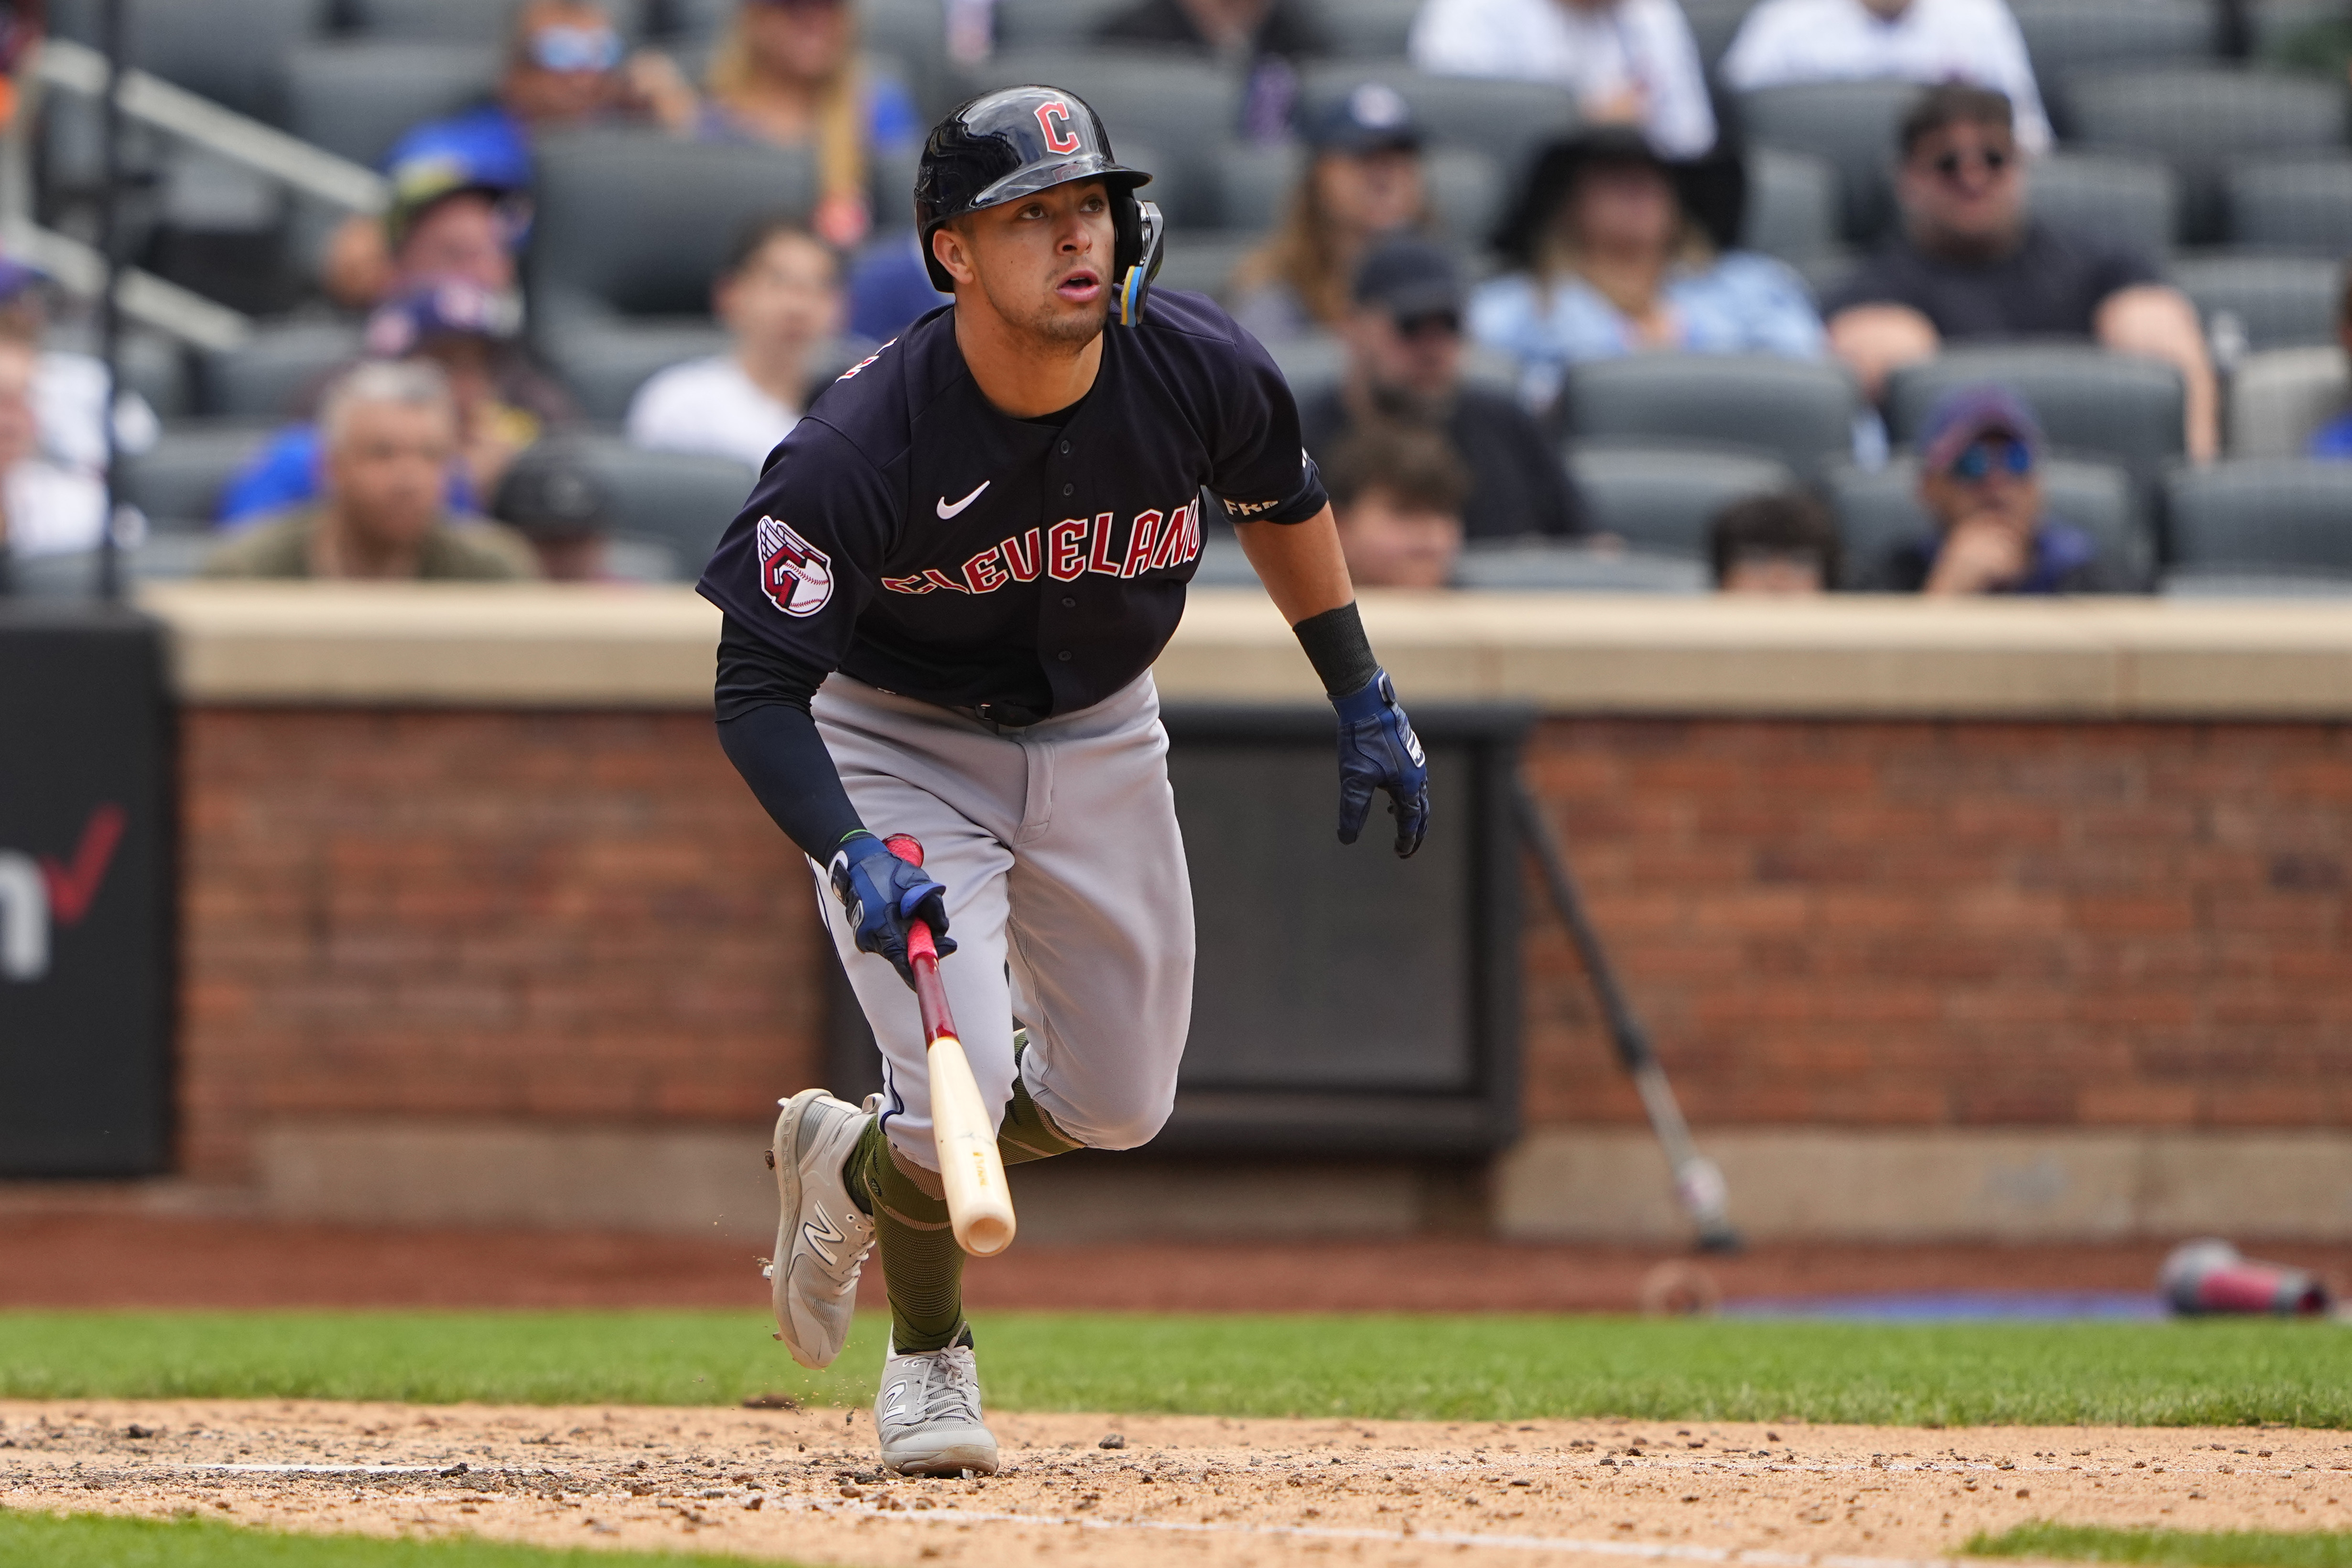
column 1404, row 370
column 553, row 499
column 1618, row 250
column 502, row 400
column 1363, row 182
column 1779, row 546
column 1973, row 264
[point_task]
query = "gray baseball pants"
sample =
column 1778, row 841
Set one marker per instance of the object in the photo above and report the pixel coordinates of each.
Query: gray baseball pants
column 1068, row 897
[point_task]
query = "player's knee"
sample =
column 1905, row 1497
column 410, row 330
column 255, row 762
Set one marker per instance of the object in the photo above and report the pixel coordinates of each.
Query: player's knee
column 1118, row 1121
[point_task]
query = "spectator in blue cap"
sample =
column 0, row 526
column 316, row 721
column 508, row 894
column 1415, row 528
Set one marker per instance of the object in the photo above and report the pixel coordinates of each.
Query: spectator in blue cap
column 502, row 400
column 1404, row 370
column 1363, row 182
column 1980, row 457
column 462, row 183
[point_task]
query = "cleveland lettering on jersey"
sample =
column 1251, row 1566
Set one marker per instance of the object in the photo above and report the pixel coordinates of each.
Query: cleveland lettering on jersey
column 1153, row 541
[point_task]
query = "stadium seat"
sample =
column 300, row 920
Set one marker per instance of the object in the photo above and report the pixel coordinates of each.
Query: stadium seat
column 2228, row 582
column 2116, row 196
column 1204, row 260
column 2301, row 204
column 1507, row 119
column 637, row 223
column 1051, row 24
column 1252, row 186
column 1878, row 510
column 1514, row 566
column 2277, row 399
column 2090, row 403
column 680, row 499
column 458, row 21
column 1311, row 363
column 354, row 97
column 1796, row 411
column 2203, row 120
column 178, row 481
column 1851, row 126
column 1253, row 182
column 1661, row 496
column 604, row 364
column 1793, row 205
column 2272, row 21
column 2065, row 37
column 2263, row 515
column 1370, row 29
column 269, row 376
column 2262, row 301
column 228, row 50
column 1183, row 107
column 1713, row 25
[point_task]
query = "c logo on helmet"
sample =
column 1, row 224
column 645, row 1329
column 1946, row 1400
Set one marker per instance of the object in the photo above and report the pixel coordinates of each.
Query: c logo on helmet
column 1055, row 117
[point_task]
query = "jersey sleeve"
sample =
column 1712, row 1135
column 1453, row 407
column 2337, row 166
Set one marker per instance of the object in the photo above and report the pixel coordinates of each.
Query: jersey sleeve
column 1262, row 473
column 800, row 561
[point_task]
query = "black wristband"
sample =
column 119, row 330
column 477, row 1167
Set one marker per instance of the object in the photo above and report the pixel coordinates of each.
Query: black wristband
column 1336, row 645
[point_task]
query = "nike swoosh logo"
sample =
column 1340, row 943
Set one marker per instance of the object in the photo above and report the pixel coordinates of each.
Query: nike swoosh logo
column 947, row 511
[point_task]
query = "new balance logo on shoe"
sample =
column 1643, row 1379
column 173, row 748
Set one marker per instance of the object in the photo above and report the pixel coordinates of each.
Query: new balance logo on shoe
column 893, row 1401
column 822, row 1234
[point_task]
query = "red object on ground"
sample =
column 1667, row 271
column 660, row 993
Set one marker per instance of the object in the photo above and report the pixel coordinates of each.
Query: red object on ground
column 2203, row 1279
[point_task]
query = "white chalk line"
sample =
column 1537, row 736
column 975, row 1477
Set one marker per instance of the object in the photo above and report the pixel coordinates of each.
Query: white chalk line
column 1649, row 1552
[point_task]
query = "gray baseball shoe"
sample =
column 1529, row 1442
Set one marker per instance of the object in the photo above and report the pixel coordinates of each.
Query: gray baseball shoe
column 822, row 1238
column 927, row 1414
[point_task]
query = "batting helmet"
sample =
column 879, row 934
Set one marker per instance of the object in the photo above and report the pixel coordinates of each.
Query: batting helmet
column 1019, row 141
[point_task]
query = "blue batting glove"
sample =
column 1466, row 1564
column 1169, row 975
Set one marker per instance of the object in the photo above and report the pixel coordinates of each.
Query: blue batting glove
column 1378, row 750
column 884, row 896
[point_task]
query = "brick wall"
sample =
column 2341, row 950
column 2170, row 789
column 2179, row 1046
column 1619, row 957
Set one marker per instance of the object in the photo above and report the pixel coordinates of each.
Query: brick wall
column 1956, row 923
column 584, row 916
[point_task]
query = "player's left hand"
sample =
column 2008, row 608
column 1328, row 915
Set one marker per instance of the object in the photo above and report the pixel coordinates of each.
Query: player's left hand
column 1378, row 750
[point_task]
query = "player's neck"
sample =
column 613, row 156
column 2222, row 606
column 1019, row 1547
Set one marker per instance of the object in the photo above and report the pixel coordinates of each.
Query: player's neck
column 1022, row 373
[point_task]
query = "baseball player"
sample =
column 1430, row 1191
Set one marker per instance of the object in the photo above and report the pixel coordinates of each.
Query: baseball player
column 942, row 602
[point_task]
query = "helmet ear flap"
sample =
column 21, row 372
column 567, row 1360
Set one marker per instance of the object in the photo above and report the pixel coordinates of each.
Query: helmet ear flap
column 1142, row 243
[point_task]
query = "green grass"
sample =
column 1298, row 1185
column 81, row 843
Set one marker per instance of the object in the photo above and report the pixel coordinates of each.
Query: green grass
column 1453, row 1368
column 94, row 1540
column 2171, row 1548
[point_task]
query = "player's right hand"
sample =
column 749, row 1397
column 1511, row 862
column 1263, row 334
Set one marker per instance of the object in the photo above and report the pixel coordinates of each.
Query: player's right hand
column 884, row 895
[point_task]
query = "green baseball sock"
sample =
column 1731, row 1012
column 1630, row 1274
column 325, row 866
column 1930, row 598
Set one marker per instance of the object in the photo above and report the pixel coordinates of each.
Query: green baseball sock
column 921, row 1264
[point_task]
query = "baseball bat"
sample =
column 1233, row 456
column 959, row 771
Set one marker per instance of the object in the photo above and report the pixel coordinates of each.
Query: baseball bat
column 1698, row 1181
column 979, row 1205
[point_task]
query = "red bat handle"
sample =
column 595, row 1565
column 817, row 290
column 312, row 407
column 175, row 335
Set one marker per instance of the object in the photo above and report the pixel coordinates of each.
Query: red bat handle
column 923, row 955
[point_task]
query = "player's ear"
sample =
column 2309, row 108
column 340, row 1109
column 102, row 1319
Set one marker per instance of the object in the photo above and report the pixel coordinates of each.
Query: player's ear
column 952, row 250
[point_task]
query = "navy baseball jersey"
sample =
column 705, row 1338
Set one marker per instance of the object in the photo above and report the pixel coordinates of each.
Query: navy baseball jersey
column 912, row 536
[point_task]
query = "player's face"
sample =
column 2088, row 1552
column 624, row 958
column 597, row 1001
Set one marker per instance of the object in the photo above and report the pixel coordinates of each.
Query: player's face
column 1043, row 262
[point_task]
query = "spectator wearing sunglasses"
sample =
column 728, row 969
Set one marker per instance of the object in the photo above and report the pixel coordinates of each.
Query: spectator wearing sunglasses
column 788, row 73
column 1404, row 371
column 1980, row 481
column 566, row 66
column 1786, row 42
column 1971, row 265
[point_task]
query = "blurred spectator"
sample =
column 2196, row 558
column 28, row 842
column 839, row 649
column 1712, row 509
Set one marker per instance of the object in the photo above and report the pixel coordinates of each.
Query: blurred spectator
column 2334, row 439
column 1629, row 62
column 1971, row 265
column 1781, row 546
column 1396, row 494
column 788, row 72
column 1264, row 36
column 1615, row 250
column 503, row 401
column 565, row 67
column 890, row 289
column 1980, row 480
column 389, row 432
column 1404, row 367
column 68, row 387
column 1362, row 180
column 780, row 296
column 46, row 508
column 552, row 497
column 1785, row 42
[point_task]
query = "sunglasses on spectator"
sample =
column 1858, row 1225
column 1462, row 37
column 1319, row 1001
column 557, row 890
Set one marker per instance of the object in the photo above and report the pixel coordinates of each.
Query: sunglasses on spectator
column 567, row 49
column 2014, row 457
column 1428, row 322
column 1991, row 160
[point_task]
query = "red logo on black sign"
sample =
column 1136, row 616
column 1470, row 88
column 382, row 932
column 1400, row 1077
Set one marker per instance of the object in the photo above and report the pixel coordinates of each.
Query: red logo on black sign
column 795, row 575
